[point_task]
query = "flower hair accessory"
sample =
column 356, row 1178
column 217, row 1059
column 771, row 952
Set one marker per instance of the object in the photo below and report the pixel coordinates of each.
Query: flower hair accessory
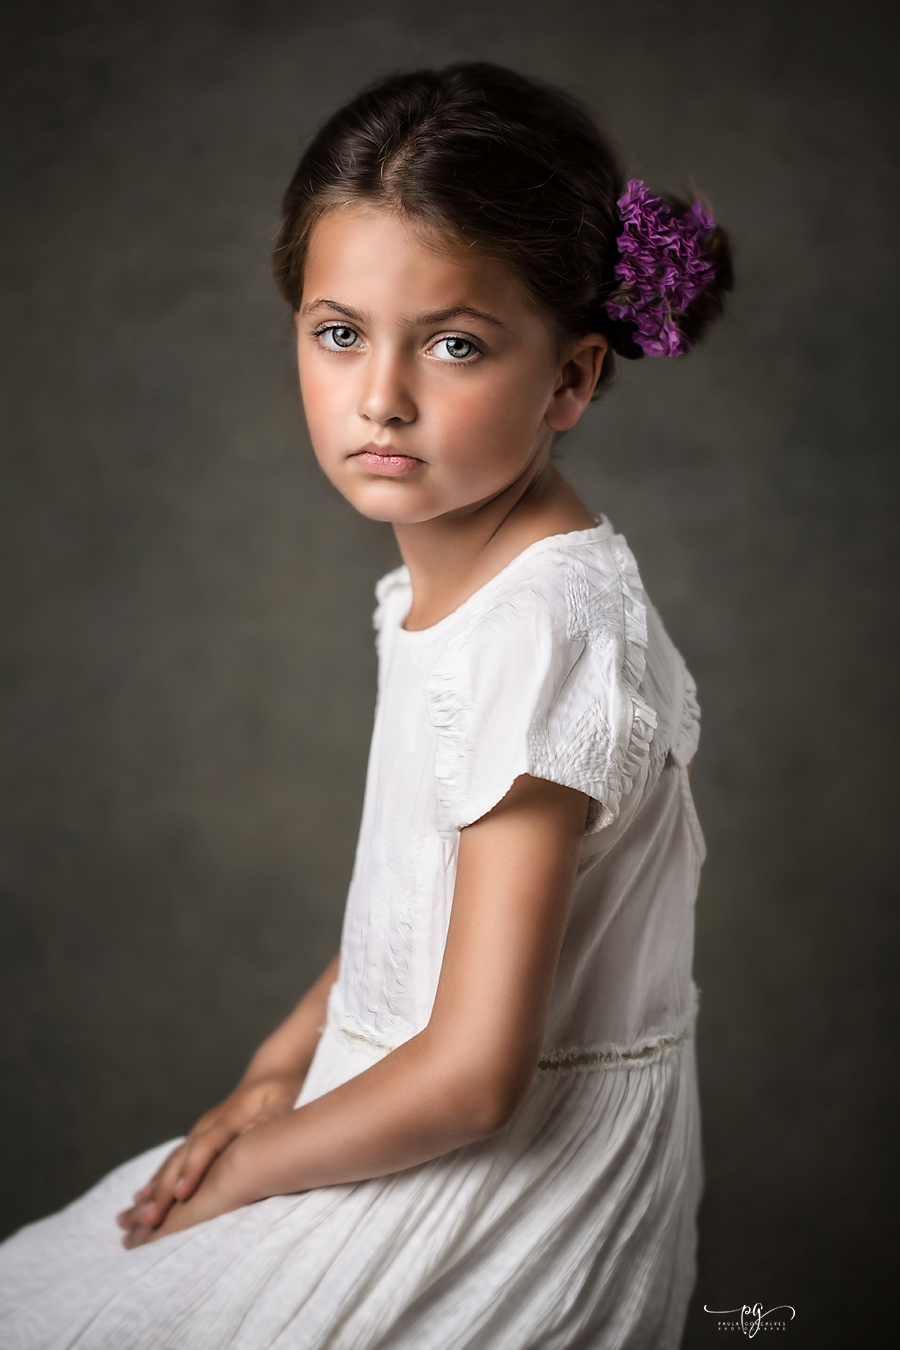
column 662, row 269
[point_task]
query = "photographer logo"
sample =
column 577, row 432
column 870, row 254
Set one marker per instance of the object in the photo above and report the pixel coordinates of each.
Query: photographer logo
column 752, row 1318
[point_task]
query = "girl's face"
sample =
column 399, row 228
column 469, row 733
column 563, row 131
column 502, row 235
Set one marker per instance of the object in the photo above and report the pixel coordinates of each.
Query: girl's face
column 430, row 382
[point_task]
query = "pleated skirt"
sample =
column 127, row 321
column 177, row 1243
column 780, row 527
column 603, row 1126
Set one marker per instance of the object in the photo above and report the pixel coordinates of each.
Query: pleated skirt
column 574, row 1226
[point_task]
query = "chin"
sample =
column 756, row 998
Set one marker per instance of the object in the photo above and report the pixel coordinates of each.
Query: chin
column 392, row 507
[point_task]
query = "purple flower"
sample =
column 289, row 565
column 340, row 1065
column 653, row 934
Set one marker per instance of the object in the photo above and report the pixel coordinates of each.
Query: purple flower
column 663, row 266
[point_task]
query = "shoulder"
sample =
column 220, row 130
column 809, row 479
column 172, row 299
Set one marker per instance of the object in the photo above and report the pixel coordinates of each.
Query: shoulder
column 580, row 599
column 543, row 678
column 580, row 588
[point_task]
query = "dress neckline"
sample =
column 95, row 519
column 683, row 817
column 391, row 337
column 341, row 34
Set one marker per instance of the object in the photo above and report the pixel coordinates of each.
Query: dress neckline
column 602, row 530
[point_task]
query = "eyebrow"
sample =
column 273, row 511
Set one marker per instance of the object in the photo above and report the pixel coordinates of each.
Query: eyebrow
column 437, row 316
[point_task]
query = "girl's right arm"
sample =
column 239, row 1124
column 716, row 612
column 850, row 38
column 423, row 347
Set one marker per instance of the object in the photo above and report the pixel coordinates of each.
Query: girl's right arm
column 267, row 1090
column 461, row 1077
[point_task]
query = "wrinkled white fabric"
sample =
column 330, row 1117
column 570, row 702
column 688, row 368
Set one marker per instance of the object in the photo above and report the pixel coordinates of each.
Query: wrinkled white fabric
column 574, row 1225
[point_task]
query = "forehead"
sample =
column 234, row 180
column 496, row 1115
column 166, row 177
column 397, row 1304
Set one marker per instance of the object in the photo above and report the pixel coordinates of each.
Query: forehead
column 376, row 258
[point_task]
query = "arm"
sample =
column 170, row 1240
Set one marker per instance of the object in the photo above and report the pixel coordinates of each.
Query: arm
column 288, row 1052
column 463, row 1076
column 267, row 1090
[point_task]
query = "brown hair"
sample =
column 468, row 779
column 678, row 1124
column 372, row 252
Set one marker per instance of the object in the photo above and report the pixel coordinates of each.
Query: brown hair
column 513, row 166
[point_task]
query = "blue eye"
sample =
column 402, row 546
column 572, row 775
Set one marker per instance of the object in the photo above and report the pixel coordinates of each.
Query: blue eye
column 454, row 349
column 338, row 337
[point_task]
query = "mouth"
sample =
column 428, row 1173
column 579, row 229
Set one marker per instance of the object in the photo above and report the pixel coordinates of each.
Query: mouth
column 384, row 461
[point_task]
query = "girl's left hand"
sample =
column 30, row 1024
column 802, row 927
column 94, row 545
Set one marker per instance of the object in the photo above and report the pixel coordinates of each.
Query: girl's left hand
column 212, row 1197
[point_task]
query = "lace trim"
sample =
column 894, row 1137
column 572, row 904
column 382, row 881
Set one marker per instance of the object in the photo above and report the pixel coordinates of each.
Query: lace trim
column 569, row 1059
column 572, row 1059
column 563, row 1061
column 349, row 1026
column 361, row 1039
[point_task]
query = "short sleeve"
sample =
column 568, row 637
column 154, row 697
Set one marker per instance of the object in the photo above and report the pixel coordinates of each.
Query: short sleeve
column 545, row 681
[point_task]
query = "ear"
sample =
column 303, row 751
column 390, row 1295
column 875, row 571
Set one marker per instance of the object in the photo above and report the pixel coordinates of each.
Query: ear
column 578, row 378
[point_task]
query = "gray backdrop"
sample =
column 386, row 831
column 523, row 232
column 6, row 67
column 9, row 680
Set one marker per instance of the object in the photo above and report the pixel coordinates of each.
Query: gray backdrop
column 187, row 671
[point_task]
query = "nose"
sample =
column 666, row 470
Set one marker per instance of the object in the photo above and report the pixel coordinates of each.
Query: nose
column 386, row 395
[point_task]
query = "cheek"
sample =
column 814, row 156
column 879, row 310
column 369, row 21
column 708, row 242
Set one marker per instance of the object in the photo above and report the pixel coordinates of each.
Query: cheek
column 500, row 415
column 319, row 396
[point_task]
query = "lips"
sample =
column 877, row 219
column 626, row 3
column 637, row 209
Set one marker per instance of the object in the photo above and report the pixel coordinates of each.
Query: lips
column 384, row 461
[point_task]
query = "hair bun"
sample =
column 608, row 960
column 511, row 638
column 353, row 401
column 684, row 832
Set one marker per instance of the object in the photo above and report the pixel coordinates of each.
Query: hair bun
column 673, row 269
column 521, row 170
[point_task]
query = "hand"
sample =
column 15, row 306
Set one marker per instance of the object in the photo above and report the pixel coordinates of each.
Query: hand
column 251, row 1104
column 214, row 1196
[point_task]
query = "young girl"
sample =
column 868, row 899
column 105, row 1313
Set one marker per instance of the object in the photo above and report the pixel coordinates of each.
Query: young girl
column 479, row 1127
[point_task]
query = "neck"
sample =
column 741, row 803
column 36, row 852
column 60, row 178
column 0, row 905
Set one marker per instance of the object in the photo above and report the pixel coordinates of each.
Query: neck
column 451, row 556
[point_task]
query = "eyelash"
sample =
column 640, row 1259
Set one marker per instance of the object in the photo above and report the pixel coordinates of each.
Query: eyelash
column 448, row 337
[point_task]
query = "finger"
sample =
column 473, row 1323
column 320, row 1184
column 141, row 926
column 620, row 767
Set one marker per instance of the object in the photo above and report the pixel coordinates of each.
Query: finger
column 156, row 1186
column 136, row 1215
column 137, row 1237
column 200, row 1155
column 172, row 1160
column 154, row 1208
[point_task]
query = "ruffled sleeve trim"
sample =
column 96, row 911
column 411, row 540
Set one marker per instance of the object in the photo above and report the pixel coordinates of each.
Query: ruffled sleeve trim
column 385, row 590
column 687, row 737
column 635, row 751
column 547, row 683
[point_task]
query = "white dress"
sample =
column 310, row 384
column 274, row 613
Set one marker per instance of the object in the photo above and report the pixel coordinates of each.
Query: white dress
column 574, row 1225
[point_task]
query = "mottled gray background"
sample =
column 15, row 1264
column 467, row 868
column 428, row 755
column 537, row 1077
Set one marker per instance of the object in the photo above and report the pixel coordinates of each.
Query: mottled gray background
column 187, row 670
